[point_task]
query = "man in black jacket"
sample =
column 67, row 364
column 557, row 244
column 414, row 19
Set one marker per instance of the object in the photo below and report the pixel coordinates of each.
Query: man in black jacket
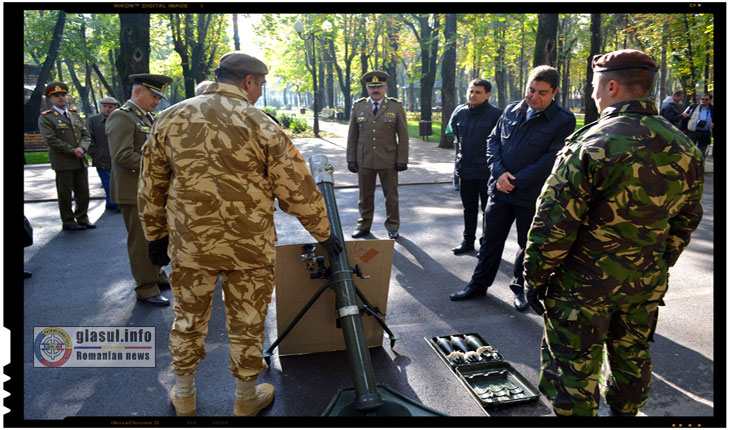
column 520, row 151
column 670, row 108
column 471, row 124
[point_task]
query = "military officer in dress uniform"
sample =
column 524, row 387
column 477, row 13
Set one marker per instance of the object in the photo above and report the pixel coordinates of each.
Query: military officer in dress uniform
column 67, row 140
column 373, row 150
column 127, row 129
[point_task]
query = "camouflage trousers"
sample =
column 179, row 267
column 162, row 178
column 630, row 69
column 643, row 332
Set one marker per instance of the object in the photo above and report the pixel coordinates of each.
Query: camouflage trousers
column 246, row 294
column 572, row 354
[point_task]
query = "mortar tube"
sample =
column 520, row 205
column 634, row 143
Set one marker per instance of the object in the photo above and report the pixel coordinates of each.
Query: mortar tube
column 367, row 397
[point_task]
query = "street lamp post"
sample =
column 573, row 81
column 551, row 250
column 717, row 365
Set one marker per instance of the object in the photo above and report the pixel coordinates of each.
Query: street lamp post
column 311, row 61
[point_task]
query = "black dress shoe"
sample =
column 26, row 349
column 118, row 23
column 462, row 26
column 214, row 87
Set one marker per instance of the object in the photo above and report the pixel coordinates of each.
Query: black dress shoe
column 520, row 302
column 157, row 300
column 88, row 225
column 360, row 233
column 393, row 235
column 74, row 227
column 463, row 248
column 26, row 274
column 467, row 293
column 163, row 285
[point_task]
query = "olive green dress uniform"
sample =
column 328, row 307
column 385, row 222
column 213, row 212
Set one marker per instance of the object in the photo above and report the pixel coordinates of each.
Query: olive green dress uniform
column 63, row 135
column 211, row 170
column 377, row 142
column 127, row 129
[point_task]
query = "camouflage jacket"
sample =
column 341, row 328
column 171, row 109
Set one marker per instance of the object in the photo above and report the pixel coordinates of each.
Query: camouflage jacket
column 211, row 169
column 618, row 208
column 63, row 135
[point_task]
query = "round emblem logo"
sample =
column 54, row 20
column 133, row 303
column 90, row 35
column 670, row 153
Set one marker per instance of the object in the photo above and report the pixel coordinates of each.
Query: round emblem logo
column 52, row 347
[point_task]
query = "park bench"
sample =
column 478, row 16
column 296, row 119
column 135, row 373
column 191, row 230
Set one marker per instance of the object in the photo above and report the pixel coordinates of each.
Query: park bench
column 34, row 142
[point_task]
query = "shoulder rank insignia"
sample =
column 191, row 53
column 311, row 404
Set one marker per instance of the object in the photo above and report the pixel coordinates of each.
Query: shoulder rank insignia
column 46, row 112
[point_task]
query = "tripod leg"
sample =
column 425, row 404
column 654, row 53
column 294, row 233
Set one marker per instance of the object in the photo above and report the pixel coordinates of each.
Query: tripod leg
column 269, row 351
column 374, row 313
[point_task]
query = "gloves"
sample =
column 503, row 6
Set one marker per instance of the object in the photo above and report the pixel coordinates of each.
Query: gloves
column 534, row 296
column 352, row 166
column 157, row 250
column 401, row 167
column 332, row 245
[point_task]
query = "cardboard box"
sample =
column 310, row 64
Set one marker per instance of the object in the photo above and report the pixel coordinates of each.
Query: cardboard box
column 317, row 331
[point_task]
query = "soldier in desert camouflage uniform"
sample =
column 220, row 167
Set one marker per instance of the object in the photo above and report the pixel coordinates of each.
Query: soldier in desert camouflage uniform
column 615, row 214
column 211, row 170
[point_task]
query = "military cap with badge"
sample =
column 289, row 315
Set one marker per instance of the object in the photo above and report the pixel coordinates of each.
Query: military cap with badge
column 155, row 83
column 55, row 88
column 375, row 78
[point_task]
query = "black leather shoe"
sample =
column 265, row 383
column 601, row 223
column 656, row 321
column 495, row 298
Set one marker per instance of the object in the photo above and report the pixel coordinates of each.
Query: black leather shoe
column 463, row 248
column 74, row 227
column 360, row 233
column 157, row 300
column 520, row 302
column 88, row 225
column 467, row 293
column 27, row 274
column 393, row 234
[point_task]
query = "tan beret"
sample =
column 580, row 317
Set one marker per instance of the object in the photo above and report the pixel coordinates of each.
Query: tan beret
column 623, row 59
column 242, row 64
column 54, row 88
column 109, row 101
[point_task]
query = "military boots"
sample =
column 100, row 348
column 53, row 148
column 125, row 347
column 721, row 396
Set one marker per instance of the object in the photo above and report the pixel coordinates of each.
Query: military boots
column 182, row 395
column 251, row 398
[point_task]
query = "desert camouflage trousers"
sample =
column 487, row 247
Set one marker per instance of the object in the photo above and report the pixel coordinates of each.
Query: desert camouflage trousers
column 572, row 354
column 246, row 294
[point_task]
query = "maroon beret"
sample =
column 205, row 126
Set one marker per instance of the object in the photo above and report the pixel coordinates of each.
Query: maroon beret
column 623, row 59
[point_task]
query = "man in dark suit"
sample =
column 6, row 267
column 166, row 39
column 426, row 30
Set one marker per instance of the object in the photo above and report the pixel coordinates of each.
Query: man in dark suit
column 521, row 151
column 377, row 146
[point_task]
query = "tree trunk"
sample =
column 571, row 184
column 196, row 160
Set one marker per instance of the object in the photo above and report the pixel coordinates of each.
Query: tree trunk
column 134, row 52
column 391, row 60
column 105, row 83
column 499, row 70
column 545, row 43
column 411, row 97
column 90, row 86
column 59, row 70
column 591, row 111
column 448, row 80
column 692, row 76
column 663, row 64
column 117, row 85
column 236, row 39
column 33, row 106
column 429, row 54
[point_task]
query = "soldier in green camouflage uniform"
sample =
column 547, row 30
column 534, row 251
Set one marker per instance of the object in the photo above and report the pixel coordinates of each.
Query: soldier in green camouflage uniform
column 211, row 170
column 615, row 214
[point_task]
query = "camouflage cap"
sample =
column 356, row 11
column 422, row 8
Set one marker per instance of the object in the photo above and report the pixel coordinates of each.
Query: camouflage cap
column 55, row 88
column 155, row 83
column 242, row 64
column 109, row 101
column 623, row 59
column 375, row 78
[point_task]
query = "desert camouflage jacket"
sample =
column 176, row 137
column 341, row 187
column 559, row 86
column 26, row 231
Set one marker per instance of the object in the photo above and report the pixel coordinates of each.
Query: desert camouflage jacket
column 211, row 170
column 618, row 208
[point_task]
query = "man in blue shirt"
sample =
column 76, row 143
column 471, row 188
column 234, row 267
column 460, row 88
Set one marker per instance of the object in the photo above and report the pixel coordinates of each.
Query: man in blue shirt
column 520, row 151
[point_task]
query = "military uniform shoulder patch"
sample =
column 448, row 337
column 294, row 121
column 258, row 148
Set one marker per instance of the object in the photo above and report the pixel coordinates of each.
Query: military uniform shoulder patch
column 393, row 99
column 126, row 108
column 361, row 99
column 73, row 110
column 46, row 112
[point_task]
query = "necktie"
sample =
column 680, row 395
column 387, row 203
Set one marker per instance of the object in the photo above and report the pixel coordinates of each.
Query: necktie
column 65, row 114
column 375, row 109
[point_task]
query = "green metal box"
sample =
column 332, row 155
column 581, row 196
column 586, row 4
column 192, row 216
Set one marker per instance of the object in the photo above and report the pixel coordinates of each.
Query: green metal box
column 491, row 380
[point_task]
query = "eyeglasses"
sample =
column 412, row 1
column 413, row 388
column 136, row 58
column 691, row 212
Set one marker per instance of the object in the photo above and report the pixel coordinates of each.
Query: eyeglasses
column 704, row 100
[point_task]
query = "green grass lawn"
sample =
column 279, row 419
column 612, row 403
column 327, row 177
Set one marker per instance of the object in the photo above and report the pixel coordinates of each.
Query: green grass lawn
column 436, row 128
column 36, row 157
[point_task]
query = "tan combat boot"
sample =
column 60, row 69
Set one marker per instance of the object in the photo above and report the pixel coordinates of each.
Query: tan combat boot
column 251, row 398
column 183, row 394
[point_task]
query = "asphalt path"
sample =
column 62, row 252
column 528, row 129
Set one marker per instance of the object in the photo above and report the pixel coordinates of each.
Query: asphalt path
column 83, row 279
